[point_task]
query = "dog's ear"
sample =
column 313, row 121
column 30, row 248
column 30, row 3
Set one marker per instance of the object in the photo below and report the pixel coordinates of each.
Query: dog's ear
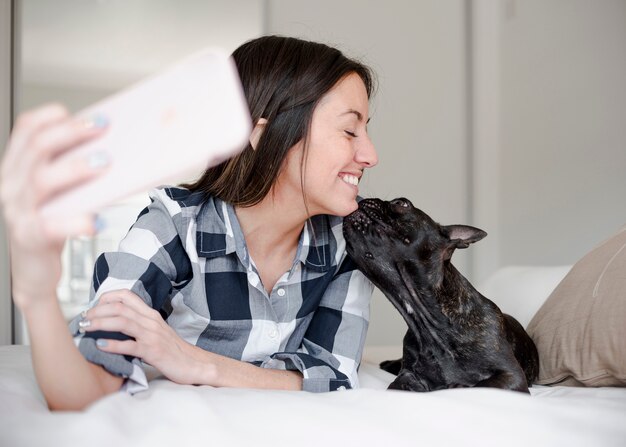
column 461, row 236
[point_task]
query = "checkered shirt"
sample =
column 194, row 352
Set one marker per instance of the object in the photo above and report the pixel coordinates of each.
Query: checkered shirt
column 186, row 257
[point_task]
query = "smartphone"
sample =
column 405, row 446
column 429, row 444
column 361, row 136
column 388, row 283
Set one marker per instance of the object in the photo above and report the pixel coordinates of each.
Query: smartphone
column 178, row 122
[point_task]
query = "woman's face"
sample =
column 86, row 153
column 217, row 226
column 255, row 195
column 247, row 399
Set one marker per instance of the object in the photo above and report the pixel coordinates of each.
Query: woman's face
column 339, row 149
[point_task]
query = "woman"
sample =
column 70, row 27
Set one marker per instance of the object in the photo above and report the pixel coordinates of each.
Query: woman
column 239, row 279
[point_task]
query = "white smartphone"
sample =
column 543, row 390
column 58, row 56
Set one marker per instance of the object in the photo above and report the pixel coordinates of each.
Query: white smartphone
column 175, row 123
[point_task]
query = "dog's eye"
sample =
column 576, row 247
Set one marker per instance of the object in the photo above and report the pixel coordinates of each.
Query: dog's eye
column 400, row 202
column 368, row 255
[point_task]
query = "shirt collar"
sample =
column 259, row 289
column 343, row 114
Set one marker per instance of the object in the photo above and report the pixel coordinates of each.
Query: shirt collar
column 314, row 246
column 217, row 230
column 218, row 234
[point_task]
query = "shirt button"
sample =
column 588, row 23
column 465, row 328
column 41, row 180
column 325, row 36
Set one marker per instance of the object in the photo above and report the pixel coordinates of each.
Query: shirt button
column 281, row 292
column 272, row 333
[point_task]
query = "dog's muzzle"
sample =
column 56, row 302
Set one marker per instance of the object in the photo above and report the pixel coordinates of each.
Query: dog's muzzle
column 370, row 211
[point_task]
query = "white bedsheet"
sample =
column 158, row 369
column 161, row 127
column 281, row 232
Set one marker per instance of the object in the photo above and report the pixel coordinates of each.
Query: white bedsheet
column 179, row 415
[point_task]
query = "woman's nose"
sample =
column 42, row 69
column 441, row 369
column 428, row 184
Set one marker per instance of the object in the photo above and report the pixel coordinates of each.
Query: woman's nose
column 366, row 153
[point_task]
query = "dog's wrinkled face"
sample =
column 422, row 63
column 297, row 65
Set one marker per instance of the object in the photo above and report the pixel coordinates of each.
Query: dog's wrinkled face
column 390, row 239
column 380, row 235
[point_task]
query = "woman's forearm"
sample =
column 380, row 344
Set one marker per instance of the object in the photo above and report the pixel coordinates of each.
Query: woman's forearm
column 67, row 380
column 217, row 370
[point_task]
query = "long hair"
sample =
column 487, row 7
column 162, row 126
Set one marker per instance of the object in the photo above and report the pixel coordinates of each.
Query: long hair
column 283, row 79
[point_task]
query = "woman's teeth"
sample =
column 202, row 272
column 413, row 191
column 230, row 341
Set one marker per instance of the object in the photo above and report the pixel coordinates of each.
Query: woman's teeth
column 351, row 179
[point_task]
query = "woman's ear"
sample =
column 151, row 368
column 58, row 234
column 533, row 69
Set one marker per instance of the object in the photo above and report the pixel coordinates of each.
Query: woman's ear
column 255, row 136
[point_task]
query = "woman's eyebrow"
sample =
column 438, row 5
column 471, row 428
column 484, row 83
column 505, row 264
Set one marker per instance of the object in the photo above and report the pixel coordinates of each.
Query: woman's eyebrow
column 358, row 114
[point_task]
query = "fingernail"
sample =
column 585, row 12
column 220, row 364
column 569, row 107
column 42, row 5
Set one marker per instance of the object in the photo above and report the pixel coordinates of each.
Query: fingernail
column 101, row 343
column 96, row 121
column 84, row 323
column 99, row 223
column 97, row 160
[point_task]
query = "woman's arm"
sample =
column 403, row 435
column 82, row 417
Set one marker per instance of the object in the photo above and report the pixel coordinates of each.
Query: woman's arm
column 217, row 370
column 327, row 363
column 67, row 380
column 157, row 344
column 31, row 173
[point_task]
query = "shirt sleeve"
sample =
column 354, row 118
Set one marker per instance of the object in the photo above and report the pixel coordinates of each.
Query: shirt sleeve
column 331, row 350
column 152, row 263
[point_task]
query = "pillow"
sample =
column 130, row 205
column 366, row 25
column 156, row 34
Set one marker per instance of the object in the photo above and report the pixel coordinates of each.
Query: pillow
column 580, row 331
column 520, row 290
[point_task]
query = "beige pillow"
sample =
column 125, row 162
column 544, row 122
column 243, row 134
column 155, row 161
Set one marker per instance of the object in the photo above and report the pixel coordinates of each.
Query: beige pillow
column 580, row 331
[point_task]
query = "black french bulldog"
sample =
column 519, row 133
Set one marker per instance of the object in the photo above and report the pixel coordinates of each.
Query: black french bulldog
column 456, row 337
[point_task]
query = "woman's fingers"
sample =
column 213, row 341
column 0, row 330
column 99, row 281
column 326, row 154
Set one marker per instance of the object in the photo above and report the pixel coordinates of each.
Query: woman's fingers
column 117, row 323
column 26, row 125
column 52, row 141
column 48, row 164
column 113, row 309
column 120, row 307
column 61, row 174
column 49, row 131
column 16, row 173
column 131, row 300
column 32, row 171
column 117, row 316
column 154, row 342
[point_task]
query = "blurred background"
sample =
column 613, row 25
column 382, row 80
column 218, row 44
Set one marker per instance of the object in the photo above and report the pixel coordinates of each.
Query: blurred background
column 509, row 115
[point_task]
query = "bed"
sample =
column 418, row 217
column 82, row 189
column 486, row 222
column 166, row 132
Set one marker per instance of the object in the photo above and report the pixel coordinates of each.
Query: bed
column 172, row 414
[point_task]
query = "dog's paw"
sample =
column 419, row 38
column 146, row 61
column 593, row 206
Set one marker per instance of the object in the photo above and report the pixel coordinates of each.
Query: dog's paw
column 392, row 366
column 407, row 381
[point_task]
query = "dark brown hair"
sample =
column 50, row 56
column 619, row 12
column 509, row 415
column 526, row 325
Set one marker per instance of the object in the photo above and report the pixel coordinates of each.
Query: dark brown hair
column 283, row 79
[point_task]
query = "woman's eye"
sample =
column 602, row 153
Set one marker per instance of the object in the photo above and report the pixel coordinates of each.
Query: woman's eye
column 352, row 134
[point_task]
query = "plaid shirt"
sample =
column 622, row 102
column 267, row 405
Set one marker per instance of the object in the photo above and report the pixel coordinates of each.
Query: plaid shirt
column 186, row 257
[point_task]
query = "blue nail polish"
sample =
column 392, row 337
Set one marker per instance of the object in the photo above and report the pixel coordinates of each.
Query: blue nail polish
column 100, row 121
column 101, row 343
column 99, row 223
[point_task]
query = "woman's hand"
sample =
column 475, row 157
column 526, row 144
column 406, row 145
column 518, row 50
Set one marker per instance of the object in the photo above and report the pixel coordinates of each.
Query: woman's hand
column 155, row 342
column 32, row 172
column 159, row 345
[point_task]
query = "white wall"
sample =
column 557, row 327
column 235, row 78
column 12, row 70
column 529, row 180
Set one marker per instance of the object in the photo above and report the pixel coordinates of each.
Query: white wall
column 417, row 49
column 563, row 135
column 550, row 103
column 109, row 44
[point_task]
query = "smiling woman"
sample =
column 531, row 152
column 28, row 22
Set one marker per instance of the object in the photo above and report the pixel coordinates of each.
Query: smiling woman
column 240, row 279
